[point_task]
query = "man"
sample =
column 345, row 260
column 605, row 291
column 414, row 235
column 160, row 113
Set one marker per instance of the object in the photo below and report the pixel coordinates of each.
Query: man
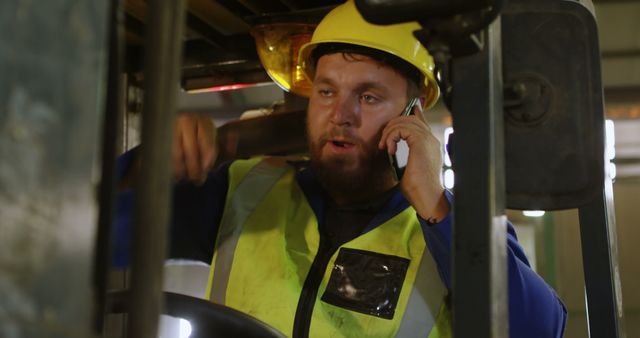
column 338, row 246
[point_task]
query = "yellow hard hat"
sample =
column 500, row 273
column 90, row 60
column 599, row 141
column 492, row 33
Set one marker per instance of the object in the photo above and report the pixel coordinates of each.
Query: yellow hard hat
column 345, row 24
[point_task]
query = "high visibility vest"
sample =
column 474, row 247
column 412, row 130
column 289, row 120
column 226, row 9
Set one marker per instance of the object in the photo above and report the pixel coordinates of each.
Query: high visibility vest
column 383, row 283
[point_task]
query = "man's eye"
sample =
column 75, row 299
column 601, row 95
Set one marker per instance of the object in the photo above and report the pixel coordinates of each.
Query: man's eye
column 325, row 92
column 368, row 98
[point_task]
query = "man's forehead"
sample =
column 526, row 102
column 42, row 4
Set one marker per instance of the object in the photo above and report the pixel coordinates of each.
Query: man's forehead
column 386, row 79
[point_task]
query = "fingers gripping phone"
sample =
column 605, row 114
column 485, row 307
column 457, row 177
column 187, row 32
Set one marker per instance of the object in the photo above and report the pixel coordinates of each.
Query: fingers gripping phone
column 393, row 159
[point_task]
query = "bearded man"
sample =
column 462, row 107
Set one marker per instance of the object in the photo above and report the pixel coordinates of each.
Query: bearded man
column 338, row 245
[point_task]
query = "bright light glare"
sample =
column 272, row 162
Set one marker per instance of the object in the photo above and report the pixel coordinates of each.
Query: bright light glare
column 447, row 132
column 185, row 328
column 449, row 179
column 610, row 140
column 533, row 213
column 612, row 170
column 222, row 88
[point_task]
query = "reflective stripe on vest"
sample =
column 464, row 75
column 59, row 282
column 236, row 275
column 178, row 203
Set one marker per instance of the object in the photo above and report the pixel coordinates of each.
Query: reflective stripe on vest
column 273, row 241
column 246, row 196
column 425, row 300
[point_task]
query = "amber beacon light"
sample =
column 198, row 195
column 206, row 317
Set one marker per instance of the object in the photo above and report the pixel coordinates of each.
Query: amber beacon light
column 278, row 45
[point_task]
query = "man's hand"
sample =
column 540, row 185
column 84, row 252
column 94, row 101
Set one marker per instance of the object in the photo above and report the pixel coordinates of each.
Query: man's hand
column 194, row 147
column 421, row 183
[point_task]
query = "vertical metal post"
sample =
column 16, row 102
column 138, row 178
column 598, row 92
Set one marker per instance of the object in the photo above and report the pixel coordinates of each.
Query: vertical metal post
column 600, row 261
column 163, row 51
column 111, row 129
column 479, row 258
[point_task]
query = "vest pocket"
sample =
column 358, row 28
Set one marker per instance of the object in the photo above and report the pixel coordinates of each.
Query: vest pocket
column 366, row 282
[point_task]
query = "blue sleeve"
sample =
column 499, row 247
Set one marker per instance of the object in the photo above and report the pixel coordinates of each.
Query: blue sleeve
column 535, row 310
column 196, row 215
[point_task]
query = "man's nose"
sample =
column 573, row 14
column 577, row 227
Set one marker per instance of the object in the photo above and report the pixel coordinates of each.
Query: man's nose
column 346, row 112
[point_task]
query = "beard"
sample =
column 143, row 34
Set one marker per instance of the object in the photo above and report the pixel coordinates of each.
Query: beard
column 351, row 178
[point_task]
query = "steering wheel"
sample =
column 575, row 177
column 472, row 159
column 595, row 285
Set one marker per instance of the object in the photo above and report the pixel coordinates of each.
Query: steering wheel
column 207, row 319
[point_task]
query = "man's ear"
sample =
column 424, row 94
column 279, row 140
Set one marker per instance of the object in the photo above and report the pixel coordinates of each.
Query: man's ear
column 423, row 100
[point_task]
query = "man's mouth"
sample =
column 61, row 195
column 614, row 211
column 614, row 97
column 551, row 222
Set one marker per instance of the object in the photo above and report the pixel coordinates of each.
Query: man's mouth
column 341, row 144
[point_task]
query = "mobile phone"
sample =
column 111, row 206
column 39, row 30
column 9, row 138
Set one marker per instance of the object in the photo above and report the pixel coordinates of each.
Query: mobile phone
column 393, row 159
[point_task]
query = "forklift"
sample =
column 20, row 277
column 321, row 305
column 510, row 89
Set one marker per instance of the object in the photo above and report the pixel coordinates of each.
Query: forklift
column 514, row 75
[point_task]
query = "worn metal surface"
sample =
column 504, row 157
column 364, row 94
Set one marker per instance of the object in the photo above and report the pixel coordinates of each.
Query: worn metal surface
column 153, row 191
column 600, row 260
column 553, row 104
column 479, row 256
column 51, row 81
